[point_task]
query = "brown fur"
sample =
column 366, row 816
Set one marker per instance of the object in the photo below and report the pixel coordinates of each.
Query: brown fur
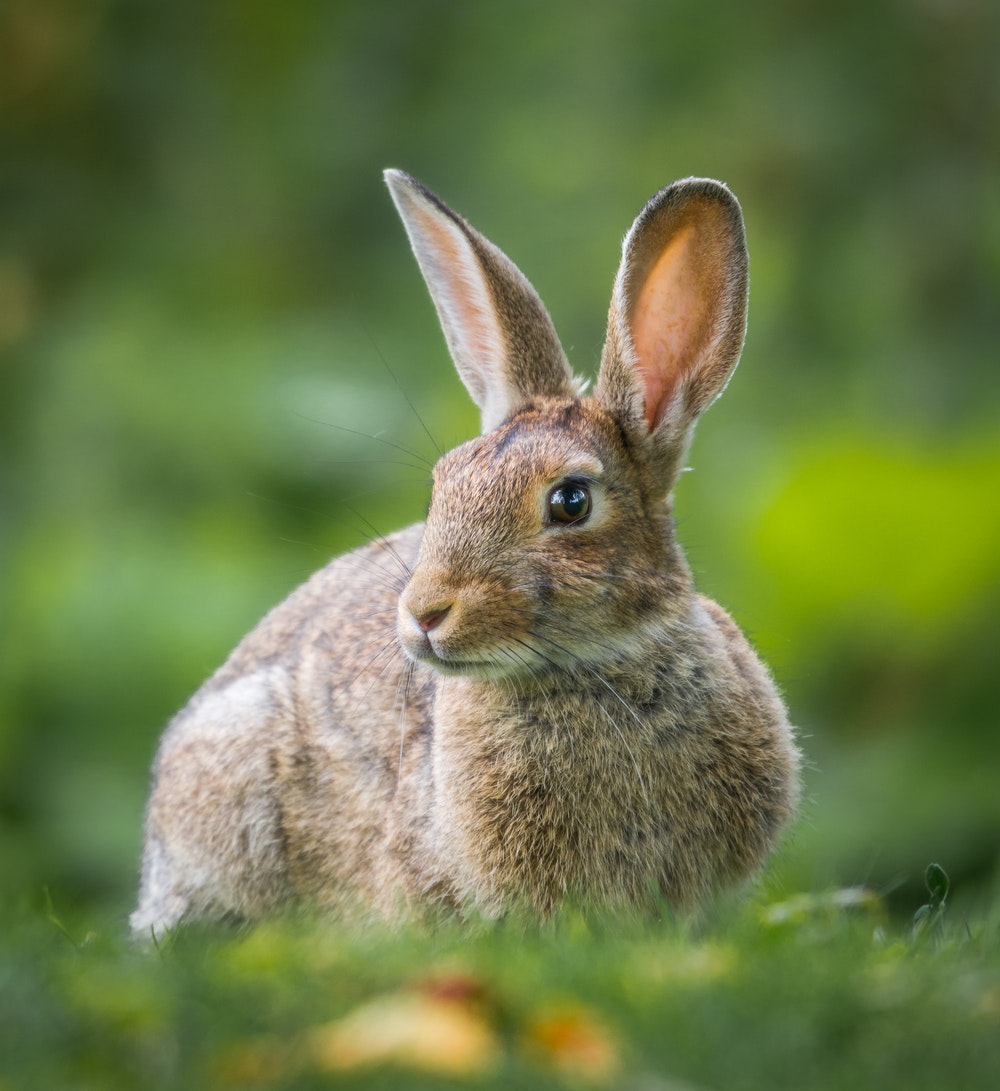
column 499, row 711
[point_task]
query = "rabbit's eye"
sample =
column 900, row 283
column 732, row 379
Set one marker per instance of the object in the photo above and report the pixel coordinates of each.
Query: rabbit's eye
column 569, row 502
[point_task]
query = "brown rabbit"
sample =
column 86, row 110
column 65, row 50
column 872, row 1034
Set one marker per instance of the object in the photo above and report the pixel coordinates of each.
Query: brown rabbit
column 522, row 702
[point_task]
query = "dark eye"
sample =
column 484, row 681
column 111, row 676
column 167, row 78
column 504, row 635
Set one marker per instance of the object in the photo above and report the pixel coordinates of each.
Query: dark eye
column 569, row 502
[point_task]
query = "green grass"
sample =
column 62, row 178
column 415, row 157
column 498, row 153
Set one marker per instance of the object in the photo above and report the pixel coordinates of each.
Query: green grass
column 813, row 992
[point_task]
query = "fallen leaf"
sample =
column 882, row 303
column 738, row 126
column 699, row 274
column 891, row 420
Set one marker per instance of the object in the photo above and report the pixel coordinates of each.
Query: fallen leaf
column 429, row 1030
column 574, row 1041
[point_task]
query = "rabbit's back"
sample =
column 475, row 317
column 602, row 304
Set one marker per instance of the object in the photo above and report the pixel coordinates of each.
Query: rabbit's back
column 274, row 783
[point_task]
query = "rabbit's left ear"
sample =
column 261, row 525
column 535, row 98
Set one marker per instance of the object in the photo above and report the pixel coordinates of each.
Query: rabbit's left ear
column 498, row 331
column 678, row 316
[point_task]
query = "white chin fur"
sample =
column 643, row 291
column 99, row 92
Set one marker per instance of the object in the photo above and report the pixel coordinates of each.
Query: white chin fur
column 490, row 665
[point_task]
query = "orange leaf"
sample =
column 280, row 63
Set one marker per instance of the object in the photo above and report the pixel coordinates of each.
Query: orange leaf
column 574, row 1041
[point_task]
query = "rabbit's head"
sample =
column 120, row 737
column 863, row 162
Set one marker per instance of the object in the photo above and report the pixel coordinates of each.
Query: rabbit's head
column 548, row 540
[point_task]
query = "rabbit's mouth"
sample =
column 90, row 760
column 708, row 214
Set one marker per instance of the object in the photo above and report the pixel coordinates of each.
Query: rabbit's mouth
column 467, row 668
column 491, row 665
column 455, row 666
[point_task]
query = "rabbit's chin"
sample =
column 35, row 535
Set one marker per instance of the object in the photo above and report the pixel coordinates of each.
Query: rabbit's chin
column 495, row 670
column 495, row 664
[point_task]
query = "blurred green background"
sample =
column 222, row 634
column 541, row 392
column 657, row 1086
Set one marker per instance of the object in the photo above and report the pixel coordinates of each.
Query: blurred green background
column 205, row 296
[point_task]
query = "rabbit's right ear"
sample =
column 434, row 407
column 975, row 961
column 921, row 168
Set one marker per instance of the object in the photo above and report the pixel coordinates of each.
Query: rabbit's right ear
column 498, row 331
column 677, row 319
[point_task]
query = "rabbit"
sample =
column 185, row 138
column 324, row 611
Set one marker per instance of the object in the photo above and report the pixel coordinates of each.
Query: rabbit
column 521, row 704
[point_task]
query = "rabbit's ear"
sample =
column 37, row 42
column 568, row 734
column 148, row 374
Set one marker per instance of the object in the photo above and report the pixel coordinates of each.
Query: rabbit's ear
column 498, row 331
column 678, row 316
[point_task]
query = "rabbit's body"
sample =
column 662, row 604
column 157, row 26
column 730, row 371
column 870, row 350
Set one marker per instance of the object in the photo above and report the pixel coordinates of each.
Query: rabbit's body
column 570, row 720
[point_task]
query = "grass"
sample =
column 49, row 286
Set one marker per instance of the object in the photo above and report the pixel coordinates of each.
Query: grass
column 813, row 992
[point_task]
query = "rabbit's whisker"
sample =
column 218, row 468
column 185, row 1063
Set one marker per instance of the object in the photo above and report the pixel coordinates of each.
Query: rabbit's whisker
column 402, row 689
column 597, row 676
column 389, row 652
column 383, row 542
column 372, row 462
column 383, row 577
column 366, row 435
column 399, row 386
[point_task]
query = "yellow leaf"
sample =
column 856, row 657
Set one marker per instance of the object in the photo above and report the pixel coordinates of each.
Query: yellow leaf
column 430, row 1032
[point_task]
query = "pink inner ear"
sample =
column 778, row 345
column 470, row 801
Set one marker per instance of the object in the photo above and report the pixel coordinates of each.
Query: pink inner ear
column 466, row 315
column 668, row 321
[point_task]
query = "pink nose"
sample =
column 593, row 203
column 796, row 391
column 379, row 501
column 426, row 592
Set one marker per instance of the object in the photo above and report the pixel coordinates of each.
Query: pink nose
column 433, row 618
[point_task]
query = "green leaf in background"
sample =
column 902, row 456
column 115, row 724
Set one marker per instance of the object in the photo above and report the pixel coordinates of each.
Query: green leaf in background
column 867, row 530
column 937, row 883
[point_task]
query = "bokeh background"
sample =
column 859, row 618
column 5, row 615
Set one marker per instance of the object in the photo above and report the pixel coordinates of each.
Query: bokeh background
column 213, row 336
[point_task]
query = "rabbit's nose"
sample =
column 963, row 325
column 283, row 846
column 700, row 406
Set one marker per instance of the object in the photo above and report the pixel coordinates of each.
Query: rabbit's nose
column 431, row 619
